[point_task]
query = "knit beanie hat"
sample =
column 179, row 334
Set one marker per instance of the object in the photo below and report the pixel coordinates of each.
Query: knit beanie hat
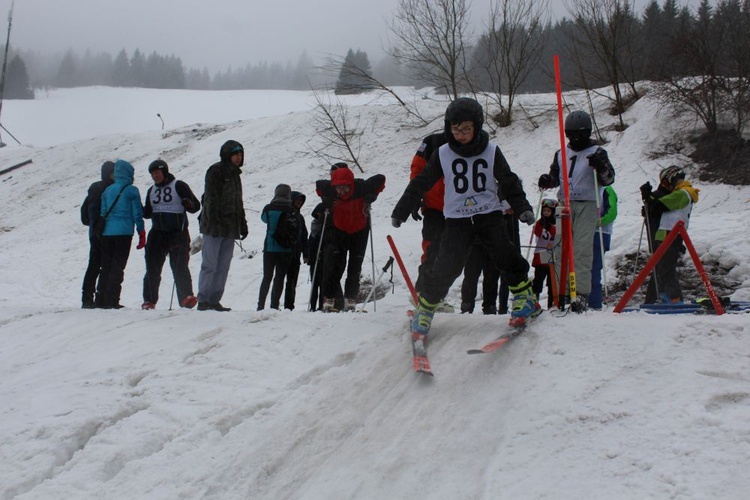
column 159, row 165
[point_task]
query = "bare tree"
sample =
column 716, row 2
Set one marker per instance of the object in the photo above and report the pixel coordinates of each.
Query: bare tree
column 604, row 30
column 337, row 134
column 511, row 49
column 337, row 66
column 431, row 36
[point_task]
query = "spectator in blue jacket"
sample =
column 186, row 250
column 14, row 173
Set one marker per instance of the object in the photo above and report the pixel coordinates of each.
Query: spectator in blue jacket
column 126, row 212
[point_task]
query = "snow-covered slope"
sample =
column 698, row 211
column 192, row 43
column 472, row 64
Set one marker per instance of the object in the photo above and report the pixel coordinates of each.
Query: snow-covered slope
column 276, row 404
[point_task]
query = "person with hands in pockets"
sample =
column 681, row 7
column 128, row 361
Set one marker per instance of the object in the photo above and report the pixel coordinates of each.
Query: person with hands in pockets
column 222, row 221
column 477, row 178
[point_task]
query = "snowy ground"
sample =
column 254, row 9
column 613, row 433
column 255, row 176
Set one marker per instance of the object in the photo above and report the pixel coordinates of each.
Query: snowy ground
column 182, row 404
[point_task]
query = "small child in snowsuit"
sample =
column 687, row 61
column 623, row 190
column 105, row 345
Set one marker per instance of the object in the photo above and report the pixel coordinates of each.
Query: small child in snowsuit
column 543, row 261
column 275, row 256
column 674, row 206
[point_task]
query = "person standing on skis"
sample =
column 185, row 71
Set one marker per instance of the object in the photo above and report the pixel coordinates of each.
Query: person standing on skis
column 585, row 160
column 477, row 178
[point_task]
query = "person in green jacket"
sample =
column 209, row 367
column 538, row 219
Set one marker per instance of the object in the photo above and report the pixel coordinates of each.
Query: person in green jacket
column 602, row 241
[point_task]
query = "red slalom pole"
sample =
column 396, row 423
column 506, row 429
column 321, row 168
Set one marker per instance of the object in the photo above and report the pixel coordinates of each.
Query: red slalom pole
column 403, row 270
column 568, row 264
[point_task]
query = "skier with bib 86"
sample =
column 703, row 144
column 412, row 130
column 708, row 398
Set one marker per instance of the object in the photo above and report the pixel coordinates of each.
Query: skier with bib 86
column 585, row 159
column 477, row 179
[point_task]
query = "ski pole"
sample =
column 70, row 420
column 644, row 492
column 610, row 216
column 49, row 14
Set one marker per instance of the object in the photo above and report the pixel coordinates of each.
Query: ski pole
column 536, row 217
column 372, row 251
column 650, row 245
column 317, row 259
column 171, row 299
column 638, row 252
column 376, row 283
column 601, row 232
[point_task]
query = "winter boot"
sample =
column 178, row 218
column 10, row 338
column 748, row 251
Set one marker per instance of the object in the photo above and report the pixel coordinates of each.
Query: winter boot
column 328, row 305
column 189, row 301
column 147, row 306
column 350, row 304
column 423, row 317
column 525, row 304
column 445, row 307
column 580, row 304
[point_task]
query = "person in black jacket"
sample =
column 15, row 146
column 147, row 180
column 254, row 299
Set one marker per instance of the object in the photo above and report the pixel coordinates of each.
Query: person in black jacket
column 167, row 203
column 89, row 214
column 222, row 221
column 477, row 179
column 292, row 272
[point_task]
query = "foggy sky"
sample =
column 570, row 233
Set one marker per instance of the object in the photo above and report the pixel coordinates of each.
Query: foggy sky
column 214, row 33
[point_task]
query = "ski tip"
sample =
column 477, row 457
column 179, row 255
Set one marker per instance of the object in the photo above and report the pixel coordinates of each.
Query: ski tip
column 475, row 351
column 425, row 372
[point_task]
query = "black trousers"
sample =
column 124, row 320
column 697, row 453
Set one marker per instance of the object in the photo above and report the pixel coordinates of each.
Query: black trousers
column 667, row 277
column 115, row 253
column 433, row 223
column 159, row 245
column 455, row 243
column 292, row 275
column 335, row 260
column 275, row 265
column 479, row 263
column 93, row 270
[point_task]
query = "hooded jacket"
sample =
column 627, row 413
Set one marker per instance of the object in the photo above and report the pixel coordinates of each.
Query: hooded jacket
column 92, row 204
column 223, row 213
column 349, row 211
column 281, row 202
column 303, row 235
column 128, row 211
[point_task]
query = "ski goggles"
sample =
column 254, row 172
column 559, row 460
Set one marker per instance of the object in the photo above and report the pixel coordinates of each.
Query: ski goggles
column 549, row 203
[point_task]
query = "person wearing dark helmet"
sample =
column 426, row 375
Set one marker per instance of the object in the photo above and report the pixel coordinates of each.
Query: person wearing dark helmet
column 168, row 202
column 477, row 180
column 675, row 204
column 349, row 201
column 222, row 221
column 585, row 160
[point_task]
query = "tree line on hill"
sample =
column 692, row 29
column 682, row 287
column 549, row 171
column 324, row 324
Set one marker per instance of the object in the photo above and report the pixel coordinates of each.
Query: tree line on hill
column 700, row 59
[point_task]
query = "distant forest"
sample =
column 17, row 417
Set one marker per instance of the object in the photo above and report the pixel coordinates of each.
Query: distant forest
column 662, row 41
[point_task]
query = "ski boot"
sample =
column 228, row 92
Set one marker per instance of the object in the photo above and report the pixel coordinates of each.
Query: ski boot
column 525, row 305
column 422, row 320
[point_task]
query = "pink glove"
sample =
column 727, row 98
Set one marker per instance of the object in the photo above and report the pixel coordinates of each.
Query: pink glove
column 141, row 240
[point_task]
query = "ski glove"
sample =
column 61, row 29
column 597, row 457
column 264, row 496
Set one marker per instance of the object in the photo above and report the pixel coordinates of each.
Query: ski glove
column 141, row 240
column 415, row 214
column 527, row 217
column 396, row 222
column 545, row 181
column 646, row 190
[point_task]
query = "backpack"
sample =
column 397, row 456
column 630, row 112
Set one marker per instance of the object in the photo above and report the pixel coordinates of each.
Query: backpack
column 85, row 212
column 287, row 230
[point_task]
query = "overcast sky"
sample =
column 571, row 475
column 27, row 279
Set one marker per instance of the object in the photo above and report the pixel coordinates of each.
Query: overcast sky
column 214, row 33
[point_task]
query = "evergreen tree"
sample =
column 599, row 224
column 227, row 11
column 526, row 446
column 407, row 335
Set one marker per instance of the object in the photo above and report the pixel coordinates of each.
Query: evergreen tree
column 138, row 69
column 355, row 75
column 17, row 84
column 121, row 70
column 67, row 71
